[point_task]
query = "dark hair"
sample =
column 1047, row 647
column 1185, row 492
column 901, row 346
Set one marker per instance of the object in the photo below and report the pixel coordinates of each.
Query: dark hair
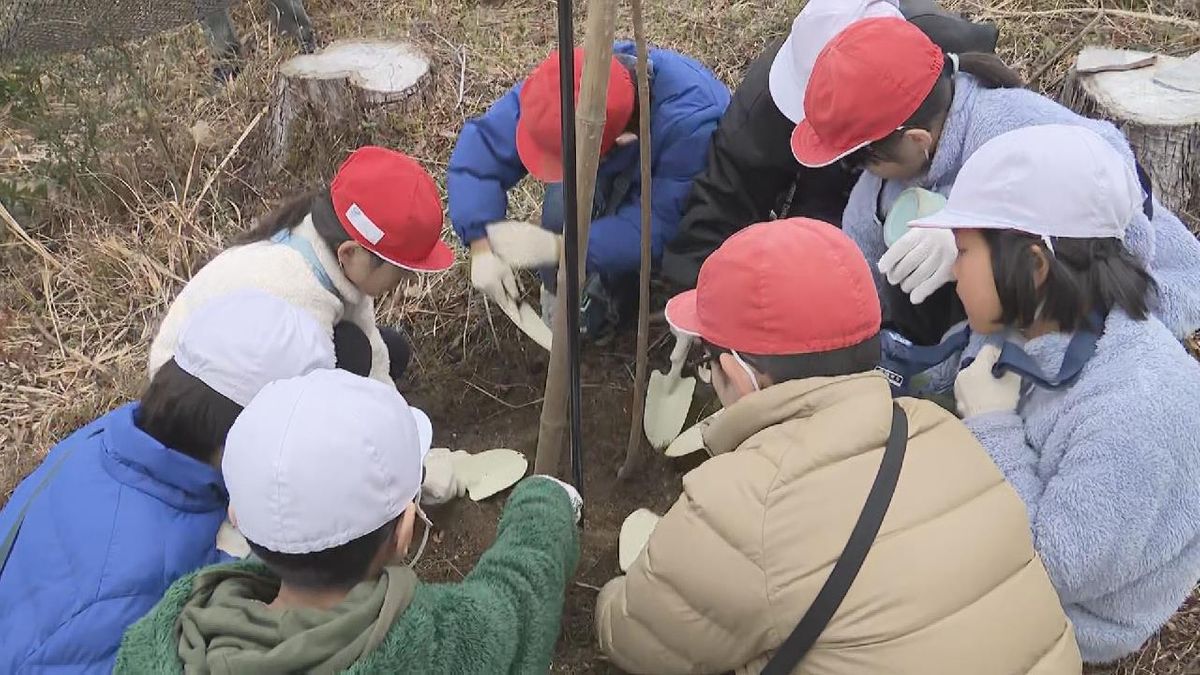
column 291, row 212
column 1085, row 276
column 185, row 414
column 991, row 72
column 860, row 358
column 340, row 567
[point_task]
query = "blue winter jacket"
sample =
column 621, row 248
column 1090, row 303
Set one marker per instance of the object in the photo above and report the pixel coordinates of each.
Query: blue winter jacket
column 1109, row 470
column 977, row 115
column 686, row 101
column 123, row 517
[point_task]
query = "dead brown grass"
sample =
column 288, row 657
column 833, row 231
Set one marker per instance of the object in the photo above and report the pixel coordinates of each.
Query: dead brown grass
column 124, row 222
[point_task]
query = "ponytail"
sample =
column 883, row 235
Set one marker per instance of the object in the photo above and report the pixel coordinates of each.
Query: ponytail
column 286, row 216
column 991, row 72
column 292, row 212
column 1085, row 276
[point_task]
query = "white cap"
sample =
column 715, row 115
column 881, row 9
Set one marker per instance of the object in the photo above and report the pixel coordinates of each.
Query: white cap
column 241, row 342
column 813, row 28
column 1054, row 180
column 318, row 461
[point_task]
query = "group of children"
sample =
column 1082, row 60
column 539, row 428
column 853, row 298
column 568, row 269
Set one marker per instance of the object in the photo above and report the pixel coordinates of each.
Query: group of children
column 837, row 528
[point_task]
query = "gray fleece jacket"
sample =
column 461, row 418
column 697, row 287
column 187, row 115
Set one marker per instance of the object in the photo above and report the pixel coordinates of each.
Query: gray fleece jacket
column 1109, row 470
column 978, row 115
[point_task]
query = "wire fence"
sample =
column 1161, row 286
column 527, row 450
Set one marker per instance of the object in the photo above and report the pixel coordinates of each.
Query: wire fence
column 29, row 27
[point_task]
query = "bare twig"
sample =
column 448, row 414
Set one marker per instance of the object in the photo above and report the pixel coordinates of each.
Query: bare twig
column 228, row 156
column 29, row 241
column 72, row 352
column 1125, row 13
column 1062, row 51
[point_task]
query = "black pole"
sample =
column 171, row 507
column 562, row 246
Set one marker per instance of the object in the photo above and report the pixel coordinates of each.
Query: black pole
column 566, row 64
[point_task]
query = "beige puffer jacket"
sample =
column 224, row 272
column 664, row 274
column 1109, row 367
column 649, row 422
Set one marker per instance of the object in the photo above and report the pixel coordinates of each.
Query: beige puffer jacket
column 283, row 272
column 952, row 584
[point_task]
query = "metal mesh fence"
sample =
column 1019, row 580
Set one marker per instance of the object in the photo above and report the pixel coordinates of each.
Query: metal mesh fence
column 60, row 26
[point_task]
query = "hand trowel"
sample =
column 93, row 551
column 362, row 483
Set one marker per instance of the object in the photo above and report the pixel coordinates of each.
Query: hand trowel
column 668, row 398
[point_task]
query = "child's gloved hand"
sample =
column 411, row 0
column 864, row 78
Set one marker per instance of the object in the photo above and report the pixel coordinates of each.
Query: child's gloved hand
column 524, row 245
column 493, row 276
column 920, row 262
column 572, row 494
column 440, row 484
column 977, row 391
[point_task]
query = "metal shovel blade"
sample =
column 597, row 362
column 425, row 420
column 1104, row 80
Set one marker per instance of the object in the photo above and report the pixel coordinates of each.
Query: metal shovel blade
column 530, row 322
column 691, row 440
column 635, row 534
column 488, row 472
column 668, row 399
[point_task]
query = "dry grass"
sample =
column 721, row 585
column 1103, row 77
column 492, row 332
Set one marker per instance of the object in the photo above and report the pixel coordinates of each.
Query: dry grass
column 123, row 221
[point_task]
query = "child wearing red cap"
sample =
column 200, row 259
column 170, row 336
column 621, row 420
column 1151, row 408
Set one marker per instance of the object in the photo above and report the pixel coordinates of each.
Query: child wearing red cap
column 521, row 133
column 884, row 97
column 789, row 318
column 332, row 251
column 751, row 171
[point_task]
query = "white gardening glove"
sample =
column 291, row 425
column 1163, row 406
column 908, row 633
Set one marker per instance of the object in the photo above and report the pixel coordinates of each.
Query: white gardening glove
column 441, row 484
column 920, row 262
column 572, row 494
column 493, row 276
column 977, row 391
column 524, row 245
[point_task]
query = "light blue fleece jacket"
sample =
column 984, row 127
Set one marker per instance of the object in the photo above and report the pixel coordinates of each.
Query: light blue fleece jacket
column 1109, row 470
column 977, row 115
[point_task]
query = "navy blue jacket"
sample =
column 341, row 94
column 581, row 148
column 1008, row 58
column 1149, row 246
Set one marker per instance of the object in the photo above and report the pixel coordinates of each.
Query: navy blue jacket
column 686, row 102
column 123, row 517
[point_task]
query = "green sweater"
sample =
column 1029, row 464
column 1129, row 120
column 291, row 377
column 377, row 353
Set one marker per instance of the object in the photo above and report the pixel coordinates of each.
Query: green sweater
column 504, row 617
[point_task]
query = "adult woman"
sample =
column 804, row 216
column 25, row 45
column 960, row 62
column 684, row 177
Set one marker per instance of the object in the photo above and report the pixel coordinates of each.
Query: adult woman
column 331, row 252
column 1084, row 400
column 884, row 97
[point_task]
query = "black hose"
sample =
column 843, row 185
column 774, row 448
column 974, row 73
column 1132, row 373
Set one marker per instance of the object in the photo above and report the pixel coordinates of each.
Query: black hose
column 566, row 64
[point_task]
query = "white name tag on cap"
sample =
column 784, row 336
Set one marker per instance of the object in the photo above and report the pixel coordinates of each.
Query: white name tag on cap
column 365, row 226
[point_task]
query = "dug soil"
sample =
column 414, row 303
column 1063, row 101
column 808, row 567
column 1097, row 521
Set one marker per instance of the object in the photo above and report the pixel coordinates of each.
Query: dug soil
column 493, row 400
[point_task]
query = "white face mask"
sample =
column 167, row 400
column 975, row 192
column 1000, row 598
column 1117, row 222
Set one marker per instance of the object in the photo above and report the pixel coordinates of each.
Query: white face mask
column 749, row 373
column 424, row 537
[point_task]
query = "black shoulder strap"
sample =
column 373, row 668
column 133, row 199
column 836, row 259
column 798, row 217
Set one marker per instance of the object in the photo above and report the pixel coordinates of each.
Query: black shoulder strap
column 830, row 597
column 1148, row 187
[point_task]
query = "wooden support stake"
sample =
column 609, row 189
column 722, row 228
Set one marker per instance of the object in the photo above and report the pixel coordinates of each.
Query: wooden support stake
column 589, row 126
column 633, row 449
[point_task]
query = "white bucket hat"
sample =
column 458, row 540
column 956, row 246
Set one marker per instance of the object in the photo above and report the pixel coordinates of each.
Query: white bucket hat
column 1053, row 180
column 812, row 29
column 240, row 342
column 318, row 461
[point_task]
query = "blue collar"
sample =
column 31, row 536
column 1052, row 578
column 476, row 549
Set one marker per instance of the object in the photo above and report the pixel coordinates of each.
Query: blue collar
column 305, row 249
column 134, row 458
column 904, row 360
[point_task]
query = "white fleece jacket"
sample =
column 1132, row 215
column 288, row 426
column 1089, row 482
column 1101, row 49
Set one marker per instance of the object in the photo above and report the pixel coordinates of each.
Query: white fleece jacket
column 282, row 271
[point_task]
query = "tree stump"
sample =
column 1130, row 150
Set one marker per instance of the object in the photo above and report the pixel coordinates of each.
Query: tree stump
column 322, row 99
column 1148, row 97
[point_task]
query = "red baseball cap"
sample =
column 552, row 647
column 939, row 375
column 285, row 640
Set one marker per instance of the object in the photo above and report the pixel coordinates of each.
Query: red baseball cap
column 539, row 128
column 865, row 83
column 796, row 286
column 387, row 203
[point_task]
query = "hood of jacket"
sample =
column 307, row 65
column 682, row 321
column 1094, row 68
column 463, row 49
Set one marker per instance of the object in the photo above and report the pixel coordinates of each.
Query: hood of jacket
column 227, row 628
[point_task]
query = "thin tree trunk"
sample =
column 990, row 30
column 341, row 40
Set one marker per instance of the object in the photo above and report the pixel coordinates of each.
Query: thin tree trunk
column 633, row 449
column 589, row 125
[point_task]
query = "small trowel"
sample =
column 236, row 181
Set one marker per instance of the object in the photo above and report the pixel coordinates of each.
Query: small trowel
column 668, row 398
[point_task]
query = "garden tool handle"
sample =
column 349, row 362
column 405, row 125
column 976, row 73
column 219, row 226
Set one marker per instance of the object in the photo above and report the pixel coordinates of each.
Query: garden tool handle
column 679, row 353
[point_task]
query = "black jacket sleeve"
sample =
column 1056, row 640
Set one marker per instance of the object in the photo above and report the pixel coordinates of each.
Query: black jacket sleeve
column 749, row 174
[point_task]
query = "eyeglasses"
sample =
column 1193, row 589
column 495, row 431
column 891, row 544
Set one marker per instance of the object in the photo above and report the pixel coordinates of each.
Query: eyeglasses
column 702, row 364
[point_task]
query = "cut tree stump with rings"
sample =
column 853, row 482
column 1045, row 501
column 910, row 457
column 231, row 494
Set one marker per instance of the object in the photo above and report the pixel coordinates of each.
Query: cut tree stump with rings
column 320, row 98
column 1155, row 100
